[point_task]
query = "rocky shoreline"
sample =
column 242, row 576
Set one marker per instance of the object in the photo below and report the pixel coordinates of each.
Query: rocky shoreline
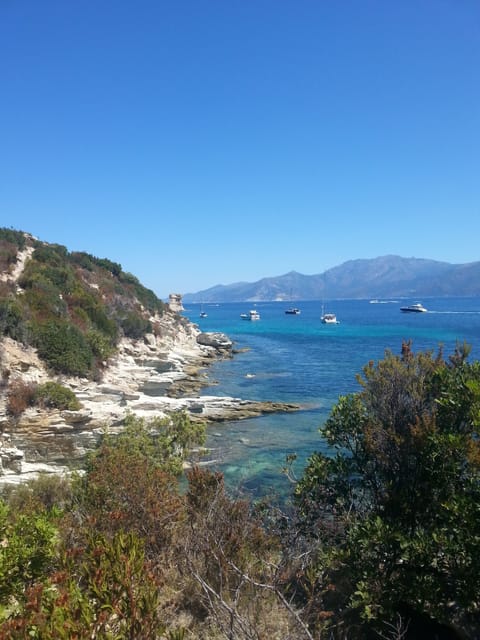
column 150, row 378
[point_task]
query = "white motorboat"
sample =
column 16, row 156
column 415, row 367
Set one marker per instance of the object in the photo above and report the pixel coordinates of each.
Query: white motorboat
column 414, row 308
column 251, row 315
column 293, row 311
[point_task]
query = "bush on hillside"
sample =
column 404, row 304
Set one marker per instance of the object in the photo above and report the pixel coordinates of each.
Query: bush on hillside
column 102, row 347
column 8, row 255
column 13, row 236
column 20, row 396
column 64, row 348
column 84, row 304
column 54, row 395
column 51, row 254
column 43, row 301
column 134, row 325
column 165, row 442
column 56, row 272
column 145, row 296
column 113, row 267
column 12, row 321
column 82, row 260
column 73, row 307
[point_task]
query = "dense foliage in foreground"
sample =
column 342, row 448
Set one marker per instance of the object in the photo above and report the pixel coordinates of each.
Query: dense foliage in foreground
column 382, row 538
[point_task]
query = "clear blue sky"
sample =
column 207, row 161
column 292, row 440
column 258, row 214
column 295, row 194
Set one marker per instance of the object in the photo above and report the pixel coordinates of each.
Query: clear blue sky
column 201, row 142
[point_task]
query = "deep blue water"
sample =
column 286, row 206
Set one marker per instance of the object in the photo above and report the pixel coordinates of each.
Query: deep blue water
column 296, row 358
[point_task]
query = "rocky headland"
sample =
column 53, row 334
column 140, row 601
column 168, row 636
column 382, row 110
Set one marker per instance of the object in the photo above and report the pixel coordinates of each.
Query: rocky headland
column 150, row 377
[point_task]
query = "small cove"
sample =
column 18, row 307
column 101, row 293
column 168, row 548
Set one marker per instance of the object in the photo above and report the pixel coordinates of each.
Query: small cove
column 296, row 358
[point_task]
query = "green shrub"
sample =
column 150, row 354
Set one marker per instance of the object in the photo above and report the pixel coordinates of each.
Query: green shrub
column 114, row 268
column 13, row 237
column 28, row 544
column 75, row 324
column 104, row 589
column 61, row 277
column 11, row 319
column 79, row 318
column 47, row 493
column 134, row 325
column 149, row 299
column 101, row 346
column 51, row 254
column 84, row 303
column 54, row 395
column 83, row 260
column 128, row 278
column 44, row 301
column 145, row 296
column 397, row 494
column 101, row 321
column 64, row 348
column 57, row 273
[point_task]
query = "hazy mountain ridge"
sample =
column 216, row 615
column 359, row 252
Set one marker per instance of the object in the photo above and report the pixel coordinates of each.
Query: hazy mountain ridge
column 383, row 277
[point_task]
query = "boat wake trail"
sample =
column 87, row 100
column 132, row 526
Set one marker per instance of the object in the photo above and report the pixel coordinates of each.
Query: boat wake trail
column 458, row 313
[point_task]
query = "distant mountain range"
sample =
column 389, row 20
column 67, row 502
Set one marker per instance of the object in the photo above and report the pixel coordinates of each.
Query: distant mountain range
column 383, row 277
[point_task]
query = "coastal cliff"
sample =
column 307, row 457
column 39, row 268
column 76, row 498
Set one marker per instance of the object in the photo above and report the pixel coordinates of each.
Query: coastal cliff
column 150, row 375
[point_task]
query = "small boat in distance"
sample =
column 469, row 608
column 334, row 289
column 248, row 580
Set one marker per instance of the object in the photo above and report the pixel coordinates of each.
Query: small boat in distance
column 203, row 314
column 293, row 311
column 382, row 301
column 251, row 315
column 329, row 318
column 413, row 308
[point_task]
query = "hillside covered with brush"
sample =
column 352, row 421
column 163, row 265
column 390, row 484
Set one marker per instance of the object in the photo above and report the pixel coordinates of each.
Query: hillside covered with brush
column 71, row 306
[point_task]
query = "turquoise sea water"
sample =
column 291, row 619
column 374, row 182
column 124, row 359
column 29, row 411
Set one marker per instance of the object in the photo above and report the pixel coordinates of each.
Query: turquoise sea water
column 296, row 358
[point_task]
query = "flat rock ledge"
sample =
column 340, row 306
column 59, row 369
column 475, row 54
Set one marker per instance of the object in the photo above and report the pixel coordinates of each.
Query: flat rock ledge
column 150, row 378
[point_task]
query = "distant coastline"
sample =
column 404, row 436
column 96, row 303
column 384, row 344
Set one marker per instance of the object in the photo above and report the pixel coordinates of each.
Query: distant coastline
column 387, row 277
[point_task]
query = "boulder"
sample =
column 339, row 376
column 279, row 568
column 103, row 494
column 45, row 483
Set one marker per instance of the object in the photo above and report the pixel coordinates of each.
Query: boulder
column 216, row 340
column 11, row 459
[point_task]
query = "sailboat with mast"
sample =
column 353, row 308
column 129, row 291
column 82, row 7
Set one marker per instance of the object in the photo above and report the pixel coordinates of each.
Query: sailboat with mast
column 328, row 318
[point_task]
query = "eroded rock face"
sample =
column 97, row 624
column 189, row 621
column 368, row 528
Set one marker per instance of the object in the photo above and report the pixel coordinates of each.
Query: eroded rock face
column 150, row 377
column 21, row 362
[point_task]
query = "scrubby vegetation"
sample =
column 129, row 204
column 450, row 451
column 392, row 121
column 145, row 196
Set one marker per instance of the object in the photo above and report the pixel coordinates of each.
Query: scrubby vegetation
column 73, row 307
column 11, row 242
column 49, row 395
column 381, row 540
column 52, row 394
